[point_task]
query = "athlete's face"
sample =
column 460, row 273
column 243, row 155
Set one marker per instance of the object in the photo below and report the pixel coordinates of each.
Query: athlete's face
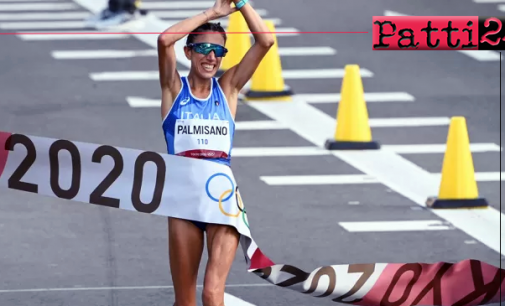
column 206, row 66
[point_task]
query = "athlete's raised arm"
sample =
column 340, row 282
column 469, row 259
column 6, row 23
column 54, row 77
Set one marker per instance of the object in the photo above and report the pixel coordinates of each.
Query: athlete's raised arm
column 169, row 77
column 234, row 79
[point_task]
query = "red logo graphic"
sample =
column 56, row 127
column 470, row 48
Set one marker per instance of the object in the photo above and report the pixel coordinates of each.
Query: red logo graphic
column 203, row 154
column 438, row 33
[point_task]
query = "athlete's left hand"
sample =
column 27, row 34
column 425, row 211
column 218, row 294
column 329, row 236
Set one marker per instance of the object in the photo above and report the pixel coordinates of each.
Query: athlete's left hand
column 223, row 8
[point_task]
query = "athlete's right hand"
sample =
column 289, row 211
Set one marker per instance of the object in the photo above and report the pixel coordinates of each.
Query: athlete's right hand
column 223, row 8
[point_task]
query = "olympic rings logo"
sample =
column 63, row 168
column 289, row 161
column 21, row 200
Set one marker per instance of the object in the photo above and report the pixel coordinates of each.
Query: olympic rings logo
column 225, row 196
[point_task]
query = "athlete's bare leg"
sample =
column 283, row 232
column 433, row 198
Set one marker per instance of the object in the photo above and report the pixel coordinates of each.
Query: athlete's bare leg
column 222, row 244
column 185, row 250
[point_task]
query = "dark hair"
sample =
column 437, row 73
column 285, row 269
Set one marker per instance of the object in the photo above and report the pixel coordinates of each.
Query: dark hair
column 206, row 27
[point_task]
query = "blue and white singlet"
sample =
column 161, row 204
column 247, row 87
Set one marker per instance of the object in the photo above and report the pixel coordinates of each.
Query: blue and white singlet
column 200, row 128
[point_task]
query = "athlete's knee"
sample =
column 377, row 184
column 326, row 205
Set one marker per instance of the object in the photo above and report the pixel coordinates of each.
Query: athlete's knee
column 212, row 296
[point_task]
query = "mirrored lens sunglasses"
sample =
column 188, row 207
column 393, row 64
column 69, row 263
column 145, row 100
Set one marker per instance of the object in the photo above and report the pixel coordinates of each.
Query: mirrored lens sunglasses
column 206, row 48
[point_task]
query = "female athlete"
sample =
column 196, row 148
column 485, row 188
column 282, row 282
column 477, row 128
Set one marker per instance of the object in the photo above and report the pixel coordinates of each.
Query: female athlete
column 198, row 113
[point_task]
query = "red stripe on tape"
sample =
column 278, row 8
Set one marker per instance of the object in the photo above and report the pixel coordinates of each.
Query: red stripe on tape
column 260, row 261
column 3, row 152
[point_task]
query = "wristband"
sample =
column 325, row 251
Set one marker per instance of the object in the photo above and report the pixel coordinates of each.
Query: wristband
column 240, row 4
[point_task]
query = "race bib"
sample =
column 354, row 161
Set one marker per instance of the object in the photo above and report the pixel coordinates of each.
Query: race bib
column 202, row 138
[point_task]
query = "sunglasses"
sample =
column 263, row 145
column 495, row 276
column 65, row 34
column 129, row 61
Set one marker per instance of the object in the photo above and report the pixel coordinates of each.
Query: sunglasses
column 206, row 48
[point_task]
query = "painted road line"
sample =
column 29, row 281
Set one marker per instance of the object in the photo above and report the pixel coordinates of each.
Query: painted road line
column 316, row 151
column 288, row 74
column 174, row 5
column 286, row 32
column 351, row 179
column 482, row 176
column 489, row 1
column 312, row 98
column 111, row 53
column 259, row 125
column 233, row 300
column 225, row 21
column 119, row 288
column 369, row 97
column 438, row 148
column 25, row 1
column 389, row 168
column 409, row 121
column 101, row 54
column 239, row 125
column 45, row 16
column 93, row 35
column 479, row 55
column 297, row 180
column 395, row 226
column 189, row 13
column 482, row 55
column 306, row 51
column 23, row 25
column 37, row 6
column 139, row 102
column 278, row 151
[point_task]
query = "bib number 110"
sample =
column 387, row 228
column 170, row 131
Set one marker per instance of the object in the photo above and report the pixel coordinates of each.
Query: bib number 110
column 202, row 141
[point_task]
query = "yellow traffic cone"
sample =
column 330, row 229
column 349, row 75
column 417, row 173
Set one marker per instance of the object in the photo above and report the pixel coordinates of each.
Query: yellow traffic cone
column 267, row 81
column 458, row 188
column 237, row 43
column 353, row 130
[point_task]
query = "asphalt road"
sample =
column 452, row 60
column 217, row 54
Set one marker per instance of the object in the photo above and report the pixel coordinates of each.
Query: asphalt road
column 49, row 243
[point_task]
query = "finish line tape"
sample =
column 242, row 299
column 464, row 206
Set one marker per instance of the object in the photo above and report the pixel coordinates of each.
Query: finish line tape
column 187, row 188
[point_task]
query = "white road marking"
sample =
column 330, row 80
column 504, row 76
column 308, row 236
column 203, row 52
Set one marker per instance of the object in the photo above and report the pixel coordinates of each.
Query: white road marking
column 174, row 5
column 288, row 74
column 37, row 6
column 225, row 21
column 439, row 148
column 351, row 179
column 282, row 32
column 101, row 54
column 320, row 73
column 489, row 1
column 278, row 151
column 479, row 55
column 189, row 13
column 25, row 1
column 297, row 180
column 139, row 102
column 408, row 121
column 316, row 151
column 233, row 300
column 369, row 97
column 93, row 35
column 43, row 25
column 113, row 53
column 395, row 226
column 143, row 102
column 482, row 55
column 387, row 167
column 259, row 125
column 119, row 288
column 45, row 16
column 304, row 51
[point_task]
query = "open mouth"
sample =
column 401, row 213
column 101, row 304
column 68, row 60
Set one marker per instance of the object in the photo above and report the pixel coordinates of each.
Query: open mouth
column 208, row 68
